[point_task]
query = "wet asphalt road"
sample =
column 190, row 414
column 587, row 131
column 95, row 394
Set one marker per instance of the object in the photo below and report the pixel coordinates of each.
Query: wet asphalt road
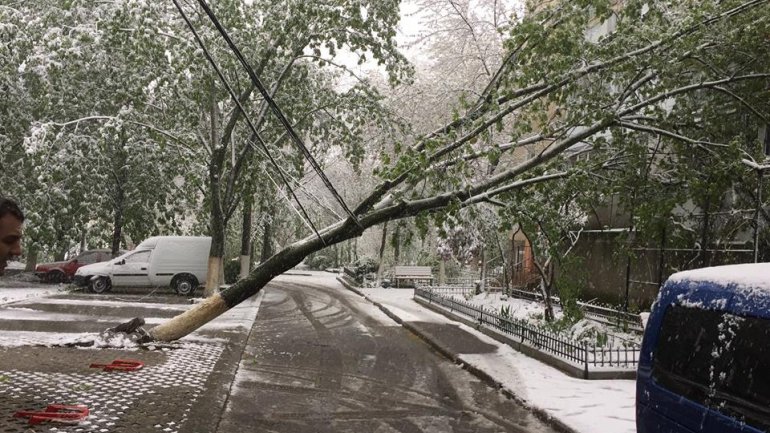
column 321, row 359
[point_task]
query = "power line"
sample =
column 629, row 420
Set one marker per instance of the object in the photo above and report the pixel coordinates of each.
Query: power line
column 277, row 111
column 245, row 115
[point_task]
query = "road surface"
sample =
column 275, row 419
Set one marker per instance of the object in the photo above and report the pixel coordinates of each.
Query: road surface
column 322, row 359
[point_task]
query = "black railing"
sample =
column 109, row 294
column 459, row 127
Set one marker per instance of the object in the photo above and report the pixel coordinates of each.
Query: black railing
column 592, row 311
column 611, row 315
column 447, row 289
column 580, row 353
column 351, row 274
column 491, row 282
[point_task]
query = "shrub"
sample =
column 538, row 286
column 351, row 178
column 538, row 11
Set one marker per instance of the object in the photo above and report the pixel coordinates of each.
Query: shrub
column 505, row 311
column 319, row 261
column 232, row 269
column 569, row 283
column 365, row 265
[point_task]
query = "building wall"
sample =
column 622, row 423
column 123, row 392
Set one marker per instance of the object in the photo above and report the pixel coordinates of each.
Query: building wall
column 605, row 268
column 604, row 271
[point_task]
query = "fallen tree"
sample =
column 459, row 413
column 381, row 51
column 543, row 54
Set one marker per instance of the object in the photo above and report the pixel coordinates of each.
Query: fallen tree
column 556, row 88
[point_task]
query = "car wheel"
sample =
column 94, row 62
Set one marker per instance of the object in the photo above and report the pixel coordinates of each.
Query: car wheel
column 55, row 277
column 184, row 284
column 99, row 284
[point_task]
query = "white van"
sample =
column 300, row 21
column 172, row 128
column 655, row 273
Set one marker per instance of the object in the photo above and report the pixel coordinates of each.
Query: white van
column 180, row 262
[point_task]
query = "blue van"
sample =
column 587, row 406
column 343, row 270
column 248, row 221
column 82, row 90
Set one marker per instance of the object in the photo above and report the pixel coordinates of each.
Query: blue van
column 705, row 359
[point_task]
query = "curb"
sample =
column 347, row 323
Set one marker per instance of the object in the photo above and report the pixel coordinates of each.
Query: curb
column 541, row 414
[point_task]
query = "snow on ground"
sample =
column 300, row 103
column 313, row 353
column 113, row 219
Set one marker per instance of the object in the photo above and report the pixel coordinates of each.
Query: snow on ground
column 15, row 265
column 33, row 338
column 237, row 319
column 13, row 295
column 532, row 312
column 521, row 309
column 588, row 406
column 330, row 280
column 111, row 303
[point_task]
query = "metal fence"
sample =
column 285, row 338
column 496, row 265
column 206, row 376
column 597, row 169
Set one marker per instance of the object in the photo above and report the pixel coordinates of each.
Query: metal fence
column 580, row 353
column 448, row 289
column 592, row 311
column 595, row 312
column 351, row 273
column 613, row 316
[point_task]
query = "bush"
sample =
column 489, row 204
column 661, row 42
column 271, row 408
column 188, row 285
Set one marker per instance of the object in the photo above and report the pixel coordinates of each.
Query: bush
column 319, row 261
column 232, row 270
column 365, row 265
column 569, row 283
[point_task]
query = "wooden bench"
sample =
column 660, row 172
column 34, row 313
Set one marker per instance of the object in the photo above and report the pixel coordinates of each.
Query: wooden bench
column 412, row 273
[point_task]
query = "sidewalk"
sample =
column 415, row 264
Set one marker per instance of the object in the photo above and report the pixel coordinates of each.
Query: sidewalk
column 181, row 387
column 595, row 406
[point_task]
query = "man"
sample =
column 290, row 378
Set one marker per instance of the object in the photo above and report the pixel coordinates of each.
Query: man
column 11, row 220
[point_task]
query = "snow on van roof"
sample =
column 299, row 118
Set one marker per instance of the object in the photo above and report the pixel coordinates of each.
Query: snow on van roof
column 751, row 275
column 153, row 241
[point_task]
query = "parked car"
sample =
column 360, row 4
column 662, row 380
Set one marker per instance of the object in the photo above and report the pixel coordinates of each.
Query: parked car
column 705, row 359
column 180, row 262
column 64, row 271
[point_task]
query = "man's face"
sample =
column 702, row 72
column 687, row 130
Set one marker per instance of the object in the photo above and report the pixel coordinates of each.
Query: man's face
column 10, row 239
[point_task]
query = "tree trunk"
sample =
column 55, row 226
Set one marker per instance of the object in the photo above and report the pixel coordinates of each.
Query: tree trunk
column 441, row 272
column 267, row 231
column 117, row 227
column 218, row 225
column 483, row 270
column 381, row 257
column 61, row 247
column 397, row 245
column 704, row 238
column 31, row 262
column 83, row 233
column 546, row 286
column 119, row 168
column 506, row 277
column 216, row 257
column 248, row 205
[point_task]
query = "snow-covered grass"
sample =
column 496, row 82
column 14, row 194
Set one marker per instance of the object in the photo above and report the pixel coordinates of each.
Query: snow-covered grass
column 8, row 296
column 532, row 312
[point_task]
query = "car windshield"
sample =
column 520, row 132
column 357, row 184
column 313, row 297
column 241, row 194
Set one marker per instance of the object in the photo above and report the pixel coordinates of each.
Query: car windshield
column 126, row 254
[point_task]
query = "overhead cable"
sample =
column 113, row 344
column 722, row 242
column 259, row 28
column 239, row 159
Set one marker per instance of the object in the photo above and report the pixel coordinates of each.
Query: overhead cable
column 276, row 110
column 245, row 115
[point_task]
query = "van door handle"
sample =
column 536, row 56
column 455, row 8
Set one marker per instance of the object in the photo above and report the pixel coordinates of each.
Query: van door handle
column 144, row 269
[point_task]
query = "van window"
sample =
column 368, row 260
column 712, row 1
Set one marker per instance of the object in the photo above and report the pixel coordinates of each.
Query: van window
column 717, row 359
column 139, row 257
